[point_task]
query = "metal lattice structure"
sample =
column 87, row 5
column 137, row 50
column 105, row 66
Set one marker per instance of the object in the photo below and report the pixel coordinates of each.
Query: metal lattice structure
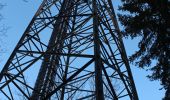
column 71, row 50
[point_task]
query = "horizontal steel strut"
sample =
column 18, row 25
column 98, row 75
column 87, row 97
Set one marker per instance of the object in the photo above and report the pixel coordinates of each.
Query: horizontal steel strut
column 71, row 50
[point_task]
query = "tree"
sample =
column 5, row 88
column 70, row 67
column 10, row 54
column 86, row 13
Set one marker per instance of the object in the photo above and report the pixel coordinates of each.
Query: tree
column 150, row 20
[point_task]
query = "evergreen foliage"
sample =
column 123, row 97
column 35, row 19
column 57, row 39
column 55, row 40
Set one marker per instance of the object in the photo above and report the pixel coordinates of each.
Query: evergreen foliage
column 150, row 20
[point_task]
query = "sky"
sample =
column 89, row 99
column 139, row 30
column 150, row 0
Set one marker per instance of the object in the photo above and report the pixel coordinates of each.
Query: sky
column 17, row 15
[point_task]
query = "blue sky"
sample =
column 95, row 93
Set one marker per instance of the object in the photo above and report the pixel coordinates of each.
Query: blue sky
column 17, row 15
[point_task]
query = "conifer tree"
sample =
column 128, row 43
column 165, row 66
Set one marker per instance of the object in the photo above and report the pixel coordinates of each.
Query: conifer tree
column 150, row 20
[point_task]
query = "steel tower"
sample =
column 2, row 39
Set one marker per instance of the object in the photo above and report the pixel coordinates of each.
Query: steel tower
column 71, row 50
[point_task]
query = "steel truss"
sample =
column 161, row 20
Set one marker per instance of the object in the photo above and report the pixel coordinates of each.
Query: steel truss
column 79, row 47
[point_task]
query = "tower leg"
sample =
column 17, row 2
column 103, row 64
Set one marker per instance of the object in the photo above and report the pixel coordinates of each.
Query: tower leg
column 98, row 63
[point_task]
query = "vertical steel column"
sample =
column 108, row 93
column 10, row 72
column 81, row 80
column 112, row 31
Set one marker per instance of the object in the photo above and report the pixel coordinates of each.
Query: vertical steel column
column 98, row 63
column 74, row 12
column 123, row 52
column 47, row 67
